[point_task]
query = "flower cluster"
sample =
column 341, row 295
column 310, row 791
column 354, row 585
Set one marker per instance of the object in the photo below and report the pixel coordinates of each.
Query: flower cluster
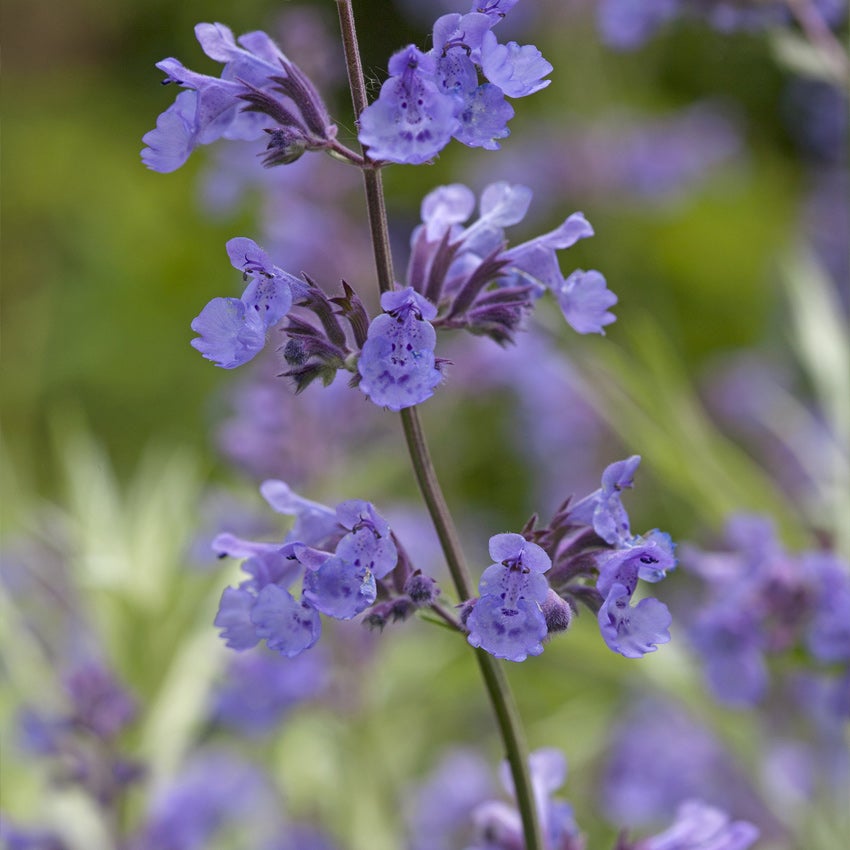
column 590, row 541
column 458, row 277
column 340, row 555
column 433, row 97
column 83, row 740
column 260, row 91
column 763, row 602
column 485, row 287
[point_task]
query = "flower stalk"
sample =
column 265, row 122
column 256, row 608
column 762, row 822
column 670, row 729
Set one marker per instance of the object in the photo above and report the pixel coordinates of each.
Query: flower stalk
column 496, row 683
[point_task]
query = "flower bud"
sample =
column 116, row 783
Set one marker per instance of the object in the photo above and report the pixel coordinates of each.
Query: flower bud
column 557, row 613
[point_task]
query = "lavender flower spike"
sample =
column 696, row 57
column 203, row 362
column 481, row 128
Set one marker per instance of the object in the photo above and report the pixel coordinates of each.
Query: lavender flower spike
column 397, row 364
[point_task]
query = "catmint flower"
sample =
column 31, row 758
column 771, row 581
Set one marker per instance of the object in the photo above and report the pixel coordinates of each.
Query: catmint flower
column 604, row 509
column 432, row 97
column 397, row 364
column 262, row 608
column 233, row 331
column 338, row 579
column 507, row 620
column 636, row 630
column 411, row 121
column 260, row 91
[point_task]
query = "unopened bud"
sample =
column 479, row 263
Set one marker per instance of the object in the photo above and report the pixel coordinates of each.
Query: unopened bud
column 557, row 613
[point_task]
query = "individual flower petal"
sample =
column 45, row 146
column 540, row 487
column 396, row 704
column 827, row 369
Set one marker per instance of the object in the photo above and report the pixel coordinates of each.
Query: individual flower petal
column 314, row 522
column 175, row 136
column 512, row 633
column 288, row 626
column 269, row 298
column 445, row 206
column 584, row 299
column 503, row 204
column 363, row 549
column 234, row 619
column 699, row 826
column 517, row 70
column 633, row 631
column 463, row 31
column 510, row 584
column 648, row 557
column 229, row 334
column 514, row 548
column 408, row 302
column 603, row 509
column 483, row 117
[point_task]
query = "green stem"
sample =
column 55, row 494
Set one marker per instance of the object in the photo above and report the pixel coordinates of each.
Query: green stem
column 373, row 183
column 498, row 689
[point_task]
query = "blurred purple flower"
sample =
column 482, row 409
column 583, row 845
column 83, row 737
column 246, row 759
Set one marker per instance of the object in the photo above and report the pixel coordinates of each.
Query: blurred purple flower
column 260, row 688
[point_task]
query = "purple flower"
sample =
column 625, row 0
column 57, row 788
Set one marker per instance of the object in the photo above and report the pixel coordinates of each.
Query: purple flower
column 339, row 583
column 259, row 90
column 517, row 70
column 17, row 838
column 659, row 755
column 340, row 588
column 584, row 299
column 636, row 630
column 431, row 97
column 233, row 331
column 440, row 808
column 412, row 120
column 762, row 602
column 100, row 703
column 368, row 544
column 702, row 827
column 260, row 689
column 628, row 24
column 604, row 509
column 507, row 620
column 397, row 364
column 263, row 609
column 215, row 790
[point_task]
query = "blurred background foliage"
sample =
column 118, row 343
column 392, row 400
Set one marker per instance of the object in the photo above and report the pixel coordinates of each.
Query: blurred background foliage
column 109, row 415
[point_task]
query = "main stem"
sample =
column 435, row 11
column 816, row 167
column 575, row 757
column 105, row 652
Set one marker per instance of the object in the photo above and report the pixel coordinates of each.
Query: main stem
column 498, row 688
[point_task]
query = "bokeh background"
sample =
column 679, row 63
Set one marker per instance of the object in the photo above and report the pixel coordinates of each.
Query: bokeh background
column 715, row 176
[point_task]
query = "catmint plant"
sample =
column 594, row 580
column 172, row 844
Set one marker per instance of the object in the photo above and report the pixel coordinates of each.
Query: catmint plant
column 345, row 562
